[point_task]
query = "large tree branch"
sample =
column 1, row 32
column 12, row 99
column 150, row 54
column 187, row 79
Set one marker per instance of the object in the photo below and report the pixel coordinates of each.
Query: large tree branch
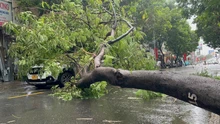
column 98, row 58
column 115, row 18
column 199, row 91
column 128, row 23
column 123, row 35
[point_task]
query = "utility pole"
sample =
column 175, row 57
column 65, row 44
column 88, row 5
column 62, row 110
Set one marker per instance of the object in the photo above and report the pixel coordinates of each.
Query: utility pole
column 154, row 41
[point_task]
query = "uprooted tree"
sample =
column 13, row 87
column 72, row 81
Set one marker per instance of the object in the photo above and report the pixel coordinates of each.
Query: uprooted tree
column 85, row 34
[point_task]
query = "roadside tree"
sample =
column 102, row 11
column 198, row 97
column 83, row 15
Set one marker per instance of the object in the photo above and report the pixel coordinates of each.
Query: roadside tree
column 155, row 23
column 181, row 39
column 84, row 34
column 206, row 13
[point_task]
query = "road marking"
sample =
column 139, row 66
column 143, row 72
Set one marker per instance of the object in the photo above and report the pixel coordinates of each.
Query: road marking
column 15, row 116
column 12, row 121
column 14, row 97
column 84, row 119
column 111, row 121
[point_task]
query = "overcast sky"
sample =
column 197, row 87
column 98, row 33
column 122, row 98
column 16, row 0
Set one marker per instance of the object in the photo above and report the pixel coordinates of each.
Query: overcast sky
column 193, row 26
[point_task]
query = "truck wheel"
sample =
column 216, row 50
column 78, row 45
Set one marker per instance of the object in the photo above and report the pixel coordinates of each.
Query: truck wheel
column 65, row 77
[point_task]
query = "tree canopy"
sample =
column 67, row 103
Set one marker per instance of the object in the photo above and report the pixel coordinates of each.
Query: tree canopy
column 73, row 33
column 207, row 14
column 160, row 21
column 87, row 32
column 181, row 39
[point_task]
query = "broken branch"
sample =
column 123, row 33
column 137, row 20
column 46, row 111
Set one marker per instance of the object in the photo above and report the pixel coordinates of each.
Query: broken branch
column 196, row 90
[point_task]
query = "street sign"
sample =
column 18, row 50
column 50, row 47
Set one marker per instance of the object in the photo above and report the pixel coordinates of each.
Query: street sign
column 5, row 12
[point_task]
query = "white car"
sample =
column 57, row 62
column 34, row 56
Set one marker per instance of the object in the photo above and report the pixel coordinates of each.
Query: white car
column 40, row 78
column 212, row 62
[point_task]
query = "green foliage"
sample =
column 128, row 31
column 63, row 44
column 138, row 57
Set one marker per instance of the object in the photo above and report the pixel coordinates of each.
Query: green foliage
column 131, row 56
column 47, row 39
column 96, row 90
column 180, row 37
column 207, row 18
column 148, row 94
column 69, row 91
column 28, row 3
column 159, row 20
column 204, row 73
column 217, row 77
column 72, row 32
column 40, row 7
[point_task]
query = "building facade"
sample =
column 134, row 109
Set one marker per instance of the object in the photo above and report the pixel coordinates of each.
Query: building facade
column 7, row 68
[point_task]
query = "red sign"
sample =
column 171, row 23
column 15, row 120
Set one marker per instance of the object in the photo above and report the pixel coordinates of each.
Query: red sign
column 5, row 12
column 156, row 53
column 184, row 56
column 4, row 6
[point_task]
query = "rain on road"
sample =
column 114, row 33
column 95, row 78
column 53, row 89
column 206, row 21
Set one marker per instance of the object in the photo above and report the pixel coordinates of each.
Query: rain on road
column 24, row 104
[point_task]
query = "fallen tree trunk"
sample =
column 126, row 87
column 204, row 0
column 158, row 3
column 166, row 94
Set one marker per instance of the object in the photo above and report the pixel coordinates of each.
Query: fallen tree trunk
column 200, row 91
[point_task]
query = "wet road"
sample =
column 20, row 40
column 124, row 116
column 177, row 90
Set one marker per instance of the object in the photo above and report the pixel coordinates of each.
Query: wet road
column 24, row 104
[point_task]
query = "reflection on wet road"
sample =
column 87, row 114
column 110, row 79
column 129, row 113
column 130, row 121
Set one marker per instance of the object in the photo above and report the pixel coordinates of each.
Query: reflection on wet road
column 23, row 104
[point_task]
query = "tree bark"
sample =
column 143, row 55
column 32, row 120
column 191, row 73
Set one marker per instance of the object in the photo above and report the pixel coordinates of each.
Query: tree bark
column 196, row 90
column 199, row 91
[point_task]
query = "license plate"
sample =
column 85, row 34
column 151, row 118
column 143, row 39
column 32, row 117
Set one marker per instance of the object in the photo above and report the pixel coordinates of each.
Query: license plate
column 34, row 77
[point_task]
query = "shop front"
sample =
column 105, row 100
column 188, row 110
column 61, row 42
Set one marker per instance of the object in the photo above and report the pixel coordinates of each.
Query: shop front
column 6, row 63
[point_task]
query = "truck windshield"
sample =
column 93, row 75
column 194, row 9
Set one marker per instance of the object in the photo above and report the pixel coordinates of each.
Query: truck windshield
column 35, row 70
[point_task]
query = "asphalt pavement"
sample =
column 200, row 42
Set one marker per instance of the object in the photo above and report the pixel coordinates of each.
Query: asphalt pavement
column 24, row 104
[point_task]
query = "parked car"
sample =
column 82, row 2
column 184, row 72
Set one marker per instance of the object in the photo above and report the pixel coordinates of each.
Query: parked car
column 212, row 62
column 41, row 78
